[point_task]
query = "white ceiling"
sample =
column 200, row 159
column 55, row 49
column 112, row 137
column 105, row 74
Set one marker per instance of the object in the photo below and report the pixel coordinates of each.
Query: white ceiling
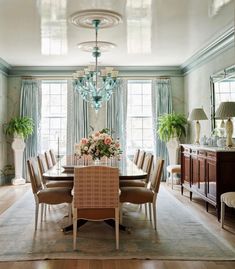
column 178, row 29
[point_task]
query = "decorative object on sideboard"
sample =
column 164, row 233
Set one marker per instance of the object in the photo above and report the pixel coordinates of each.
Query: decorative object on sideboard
column 197, row 114
column 20, row 128
column 226, row 110
column 94, row 85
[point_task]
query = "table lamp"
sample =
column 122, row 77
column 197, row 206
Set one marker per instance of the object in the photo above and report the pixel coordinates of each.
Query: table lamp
column 226, row 110
column 197, row 114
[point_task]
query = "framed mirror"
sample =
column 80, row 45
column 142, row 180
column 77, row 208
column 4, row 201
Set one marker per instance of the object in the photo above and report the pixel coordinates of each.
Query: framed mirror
column 222, row 89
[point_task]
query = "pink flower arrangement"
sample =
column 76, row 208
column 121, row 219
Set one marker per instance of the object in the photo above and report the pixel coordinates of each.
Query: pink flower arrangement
column 99, row 144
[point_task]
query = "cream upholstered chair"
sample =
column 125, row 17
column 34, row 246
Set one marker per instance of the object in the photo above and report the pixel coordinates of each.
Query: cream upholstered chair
column 142, row 195
column 42, row 195
column 53, row 156
column 51, row 183
column 173, row 152
column 136, row 156
column 48, row 159
column 227, row 198
column 141, row 157
column 147, row 167
column 96, row 196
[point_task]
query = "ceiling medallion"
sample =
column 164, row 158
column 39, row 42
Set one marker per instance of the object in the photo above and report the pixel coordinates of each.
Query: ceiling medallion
column 88, row 46
column 85, row 18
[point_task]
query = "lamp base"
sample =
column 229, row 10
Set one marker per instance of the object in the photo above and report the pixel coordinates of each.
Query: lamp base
column 197, row 132
column 229, row 132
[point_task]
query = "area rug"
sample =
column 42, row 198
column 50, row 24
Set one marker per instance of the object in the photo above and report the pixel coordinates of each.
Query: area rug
column 179, row 236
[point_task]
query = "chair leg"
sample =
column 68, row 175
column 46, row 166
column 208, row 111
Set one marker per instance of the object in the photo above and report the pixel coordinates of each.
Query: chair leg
column 70, row 212
column 146, row 210
column 172, row 178
column 36, row 215
column 222, row 214
column 75, row 229
column 42, row 211
column 154, row 215
column 117, row 227
column 120, row 213
column 150, row 213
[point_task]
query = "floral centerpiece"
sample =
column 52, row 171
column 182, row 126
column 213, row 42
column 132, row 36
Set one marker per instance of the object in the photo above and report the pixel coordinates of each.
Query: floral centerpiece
column 98, row 144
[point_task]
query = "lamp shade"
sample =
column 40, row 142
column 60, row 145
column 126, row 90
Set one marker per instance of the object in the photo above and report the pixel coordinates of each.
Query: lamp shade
column 225, row 110
column 198, row 114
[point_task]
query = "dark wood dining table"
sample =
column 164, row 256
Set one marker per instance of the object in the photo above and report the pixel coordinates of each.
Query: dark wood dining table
column 64, row 170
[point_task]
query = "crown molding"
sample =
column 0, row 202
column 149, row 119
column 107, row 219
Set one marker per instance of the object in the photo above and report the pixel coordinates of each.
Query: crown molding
column 222, row 43
column 68, row 70
column 4, row 67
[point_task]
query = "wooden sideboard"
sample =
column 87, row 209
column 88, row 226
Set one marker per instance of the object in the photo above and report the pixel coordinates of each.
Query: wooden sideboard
column 207, row 172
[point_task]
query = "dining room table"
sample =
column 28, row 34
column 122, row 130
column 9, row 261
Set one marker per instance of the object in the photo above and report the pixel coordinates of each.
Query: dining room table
column 64, row 170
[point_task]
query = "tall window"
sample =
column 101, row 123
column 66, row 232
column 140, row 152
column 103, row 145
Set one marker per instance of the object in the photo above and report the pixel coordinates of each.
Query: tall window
column 139, row 116
column 54, row 116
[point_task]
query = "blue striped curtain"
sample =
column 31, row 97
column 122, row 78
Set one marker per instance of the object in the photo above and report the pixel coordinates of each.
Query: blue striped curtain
column 161, row 104
column 117, row 113
column 30, row 106
column 77, row 118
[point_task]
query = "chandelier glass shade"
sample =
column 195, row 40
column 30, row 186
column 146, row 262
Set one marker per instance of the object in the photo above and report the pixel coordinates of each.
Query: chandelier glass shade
column 95, row 85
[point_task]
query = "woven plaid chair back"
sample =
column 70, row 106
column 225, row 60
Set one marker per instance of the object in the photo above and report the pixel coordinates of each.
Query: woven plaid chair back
column 96, row 187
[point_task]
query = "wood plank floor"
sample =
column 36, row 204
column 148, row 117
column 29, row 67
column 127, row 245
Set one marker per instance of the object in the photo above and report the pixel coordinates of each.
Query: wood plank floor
column 10, row 194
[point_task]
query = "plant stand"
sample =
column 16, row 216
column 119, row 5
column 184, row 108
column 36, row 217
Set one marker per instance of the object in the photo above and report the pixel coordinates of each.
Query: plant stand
column 18, row 146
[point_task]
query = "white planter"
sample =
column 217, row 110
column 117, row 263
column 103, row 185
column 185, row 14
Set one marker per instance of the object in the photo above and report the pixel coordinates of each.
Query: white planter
column 173, row 146
column 18, row 146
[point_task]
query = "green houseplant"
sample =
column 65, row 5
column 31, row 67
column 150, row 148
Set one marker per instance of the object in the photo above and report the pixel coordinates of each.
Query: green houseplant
column 21, row 126
column 171, row 125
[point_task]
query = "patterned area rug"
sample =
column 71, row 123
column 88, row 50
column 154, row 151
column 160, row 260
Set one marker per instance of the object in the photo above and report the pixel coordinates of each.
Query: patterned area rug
column 179, row 236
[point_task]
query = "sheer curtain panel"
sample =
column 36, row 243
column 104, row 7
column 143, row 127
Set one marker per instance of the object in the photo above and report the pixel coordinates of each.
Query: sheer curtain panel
column 161, row 104
column 30, row 106
column 117, row 113
column 78, row 118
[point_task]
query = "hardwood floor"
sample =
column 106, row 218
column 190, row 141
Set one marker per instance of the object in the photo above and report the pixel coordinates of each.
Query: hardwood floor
column 10, row 194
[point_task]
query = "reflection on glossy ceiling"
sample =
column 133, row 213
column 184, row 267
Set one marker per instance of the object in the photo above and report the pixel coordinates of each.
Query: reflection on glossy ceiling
column 153, row 32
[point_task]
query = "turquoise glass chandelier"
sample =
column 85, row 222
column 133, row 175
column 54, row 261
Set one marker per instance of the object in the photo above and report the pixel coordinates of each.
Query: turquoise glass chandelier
column 94, row 85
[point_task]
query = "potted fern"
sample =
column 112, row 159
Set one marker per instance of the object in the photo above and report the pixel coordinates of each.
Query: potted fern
column 171, row 128
column 20, row 128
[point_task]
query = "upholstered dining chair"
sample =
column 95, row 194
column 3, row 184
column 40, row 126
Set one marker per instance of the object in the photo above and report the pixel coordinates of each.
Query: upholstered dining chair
column 147, row 167
column 53, row 156
column 141, row 157
column 96, row 196
column 136, row 156
column 42, row 195
column 42, row 164
column 48, row 159
column 142, row 195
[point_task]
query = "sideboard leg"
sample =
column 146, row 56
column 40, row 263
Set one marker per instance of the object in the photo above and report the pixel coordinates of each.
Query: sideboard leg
column 191, row 196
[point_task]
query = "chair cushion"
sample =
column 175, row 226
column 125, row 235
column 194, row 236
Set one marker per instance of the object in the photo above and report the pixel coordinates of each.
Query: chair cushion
column 60, row 183
column 228, row 198
column 136, row 195
column 174, row 168
column 131, row 183
column 55, row 195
